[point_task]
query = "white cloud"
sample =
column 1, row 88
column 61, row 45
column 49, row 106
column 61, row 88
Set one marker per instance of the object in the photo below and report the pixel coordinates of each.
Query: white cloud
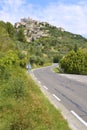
column 71, row 17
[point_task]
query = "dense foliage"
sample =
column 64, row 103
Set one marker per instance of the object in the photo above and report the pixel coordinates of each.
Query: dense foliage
column 22, row 105
column 50, row 48
column 75, row 62
column 40, row 51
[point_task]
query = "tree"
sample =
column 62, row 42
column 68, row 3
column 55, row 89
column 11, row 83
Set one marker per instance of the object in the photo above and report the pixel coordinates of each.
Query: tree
column 10, row 29
column 20, row 35
column 74, row 62
column 2, row 24
column 75, row 48
column 33, row 59
column 11, row 58
column 81, row 60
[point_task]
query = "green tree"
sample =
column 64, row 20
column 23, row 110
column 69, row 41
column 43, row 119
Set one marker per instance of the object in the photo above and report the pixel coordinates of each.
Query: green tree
column 33, row 59
column 81, row 60
column 74, row 62
column 9, row 59
column 10, row 29
column 20, row 35
column 22, row 59
column 2, row 24
column 75, row 48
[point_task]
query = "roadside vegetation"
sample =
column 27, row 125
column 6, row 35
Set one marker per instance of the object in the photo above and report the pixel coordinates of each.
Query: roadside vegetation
column 22, row 105
column 74, row 62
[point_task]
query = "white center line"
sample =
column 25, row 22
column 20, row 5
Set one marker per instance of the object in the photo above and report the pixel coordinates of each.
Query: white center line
column 45, row 87
column 79, row 118
column 39, row 82
column 56, row 97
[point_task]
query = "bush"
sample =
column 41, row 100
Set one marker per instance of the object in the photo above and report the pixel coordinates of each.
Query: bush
column 74, row 62
column 15, row 88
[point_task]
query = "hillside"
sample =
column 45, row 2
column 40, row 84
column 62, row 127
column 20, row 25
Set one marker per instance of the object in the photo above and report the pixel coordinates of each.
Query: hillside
column 22, row 105
column 47, row 43
column 34, row 29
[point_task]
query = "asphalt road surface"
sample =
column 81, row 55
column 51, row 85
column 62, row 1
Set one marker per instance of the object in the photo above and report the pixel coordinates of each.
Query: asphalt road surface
column 70, row 90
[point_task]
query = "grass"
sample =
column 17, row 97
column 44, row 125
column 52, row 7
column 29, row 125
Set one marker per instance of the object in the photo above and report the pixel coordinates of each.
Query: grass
column 56, row 70
column 24, row 107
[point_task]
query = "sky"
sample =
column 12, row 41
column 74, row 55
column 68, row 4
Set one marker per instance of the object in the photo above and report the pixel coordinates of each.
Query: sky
column 68, row 14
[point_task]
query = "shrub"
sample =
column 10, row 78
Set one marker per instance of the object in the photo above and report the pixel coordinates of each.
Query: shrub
column 15, row 88
column 74, row 62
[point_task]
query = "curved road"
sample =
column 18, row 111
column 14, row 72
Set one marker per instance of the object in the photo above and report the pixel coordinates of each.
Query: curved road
column 72, row 93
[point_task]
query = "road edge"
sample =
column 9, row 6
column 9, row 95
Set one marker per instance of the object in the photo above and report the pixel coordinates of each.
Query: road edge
column 73, row 122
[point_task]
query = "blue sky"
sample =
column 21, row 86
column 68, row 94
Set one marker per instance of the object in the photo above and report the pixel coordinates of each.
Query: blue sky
column 69, row 14
column 45, row 2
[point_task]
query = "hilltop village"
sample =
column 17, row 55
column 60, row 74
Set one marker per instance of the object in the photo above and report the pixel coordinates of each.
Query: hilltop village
column 34, row 29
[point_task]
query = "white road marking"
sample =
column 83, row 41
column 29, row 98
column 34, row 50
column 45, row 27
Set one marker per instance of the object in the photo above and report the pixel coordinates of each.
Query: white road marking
column 56, row 97
column 45, row 87
column 79, row 118
column 33, row 75
column 39, row 82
